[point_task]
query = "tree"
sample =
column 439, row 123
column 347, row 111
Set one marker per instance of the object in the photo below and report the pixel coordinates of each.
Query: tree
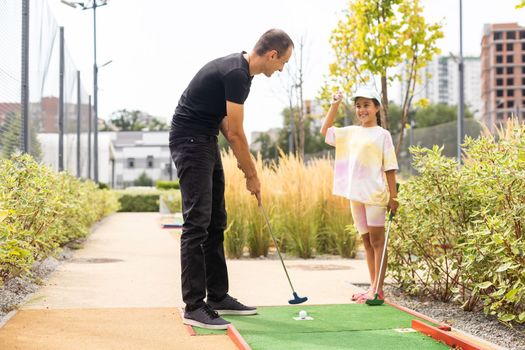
column 375, row 37
column 143, row 180
column 521, row 4
column 11, row 140
column 437, row 114
column 135, row 120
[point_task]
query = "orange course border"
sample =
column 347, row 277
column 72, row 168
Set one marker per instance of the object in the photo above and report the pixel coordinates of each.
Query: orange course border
column 237, row 338
column 441, row 333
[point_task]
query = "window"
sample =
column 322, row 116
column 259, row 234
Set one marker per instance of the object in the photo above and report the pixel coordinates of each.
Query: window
column 523, row 58
column 149, row 161
column 499, row 93
column 510, row 81
column 510, row 93
column 522, row 34
column 511, row 35
column 510, row 59
column 499, row 70
column 523, row 83
column 499, row 59
column 131, row 162
column 498, row 35
column 510, row 104
column 499, row 82
column 499, row 47
column 523, row 46
column 499, row 115
column 510, row 47
column 510, row 70
column 523, row 70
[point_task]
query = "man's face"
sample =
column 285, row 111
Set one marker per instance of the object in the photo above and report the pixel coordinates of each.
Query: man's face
column 276, row 63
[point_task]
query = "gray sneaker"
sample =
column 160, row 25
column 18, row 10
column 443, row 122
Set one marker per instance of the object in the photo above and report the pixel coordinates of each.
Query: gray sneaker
column 205, row 317
column 230, row 306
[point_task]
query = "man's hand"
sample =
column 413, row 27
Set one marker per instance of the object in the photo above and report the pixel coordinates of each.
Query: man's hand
column 253, row 185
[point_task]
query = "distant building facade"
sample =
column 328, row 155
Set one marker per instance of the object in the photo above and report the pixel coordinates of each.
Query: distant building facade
column 440, row 83
column 503, row 73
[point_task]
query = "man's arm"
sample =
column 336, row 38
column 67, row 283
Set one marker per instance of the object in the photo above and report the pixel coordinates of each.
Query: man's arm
column 233, row 130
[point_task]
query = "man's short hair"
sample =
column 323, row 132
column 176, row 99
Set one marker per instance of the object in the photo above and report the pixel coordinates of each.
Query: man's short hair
column 273, row 39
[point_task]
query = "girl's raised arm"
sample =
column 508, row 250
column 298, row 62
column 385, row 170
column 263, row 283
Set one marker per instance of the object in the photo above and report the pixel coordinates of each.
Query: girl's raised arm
column 330, row 116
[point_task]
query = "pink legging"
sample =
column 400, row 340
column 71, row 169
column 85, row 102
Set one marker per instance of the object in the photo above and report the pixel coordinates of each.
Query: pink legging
column 366, row 215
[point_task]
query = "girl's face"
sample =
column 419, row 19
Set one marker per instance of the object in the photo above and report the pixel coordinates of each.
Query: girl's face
column 366, row 111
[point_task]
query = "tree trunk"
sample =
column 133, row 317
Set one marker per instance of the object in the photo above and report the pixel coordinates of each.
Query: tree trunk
column 385, row 120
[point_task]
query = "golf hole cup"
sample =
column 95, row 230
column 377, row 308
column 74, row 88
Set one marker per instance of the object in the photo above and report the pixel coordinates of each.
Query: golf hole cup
column 303, row 314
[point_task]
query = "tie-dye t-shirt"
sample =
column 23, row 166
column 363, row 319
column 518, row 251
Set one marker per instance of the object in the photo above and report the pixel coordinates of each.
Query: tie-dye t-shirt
column 362, row 155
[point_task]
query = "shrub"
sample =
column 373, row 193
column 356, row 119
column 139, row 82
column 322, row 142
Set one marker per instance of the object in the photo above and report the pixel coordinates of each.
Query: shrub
column 459, row 233
column 41, row 210
column 167, row 185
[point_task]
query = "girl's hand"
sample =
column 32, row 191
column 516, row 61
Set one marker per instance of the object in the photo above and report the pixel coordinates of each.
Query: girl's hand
column 393, row 205
column 337, row 98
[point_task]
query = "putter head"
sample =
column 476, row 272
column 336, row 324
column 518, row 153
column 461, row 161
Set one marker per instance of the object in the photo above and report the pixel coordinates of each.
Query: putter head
column 297, row 299
column 375, row 302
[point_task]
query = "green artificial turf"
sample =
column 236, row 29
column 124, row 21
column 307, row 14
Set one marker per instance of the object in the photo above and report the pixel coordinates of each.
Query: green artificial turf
column 348, row 326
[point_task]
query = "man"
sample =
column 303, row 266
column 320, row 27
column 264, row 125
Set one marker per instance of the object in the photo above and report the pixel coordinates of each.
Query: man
column 214, row 100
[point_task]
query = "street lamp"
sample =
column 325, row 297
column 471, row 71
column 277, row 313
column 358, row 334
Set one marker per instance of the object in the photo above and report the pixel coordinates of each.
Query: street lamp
column 92, row 4
column 461, row 104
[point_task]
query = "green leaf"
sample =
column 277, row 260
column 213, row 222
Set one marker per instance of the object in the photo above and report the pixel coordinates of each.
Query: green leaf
column 484, row 285
column 507, row 317
column 510, row 295
column 504, row 267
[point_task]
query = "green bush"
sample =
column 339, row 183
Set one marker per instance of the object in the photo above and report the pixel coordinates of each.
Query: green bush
column 41, row 210
column 148, row 200
column 139, row 202
column 459, row 233
column 167, row 185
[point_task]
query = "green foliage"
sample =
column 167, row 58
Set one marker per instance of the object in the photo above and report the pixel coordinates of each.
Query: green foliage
column 139, row 202
column 143, row 180
column 437, row 114
column 459, row 233
column 167, row 185
column 135, row 120
column 41, row 210
column 11, row 140
column 376, row 36
column 172, row 199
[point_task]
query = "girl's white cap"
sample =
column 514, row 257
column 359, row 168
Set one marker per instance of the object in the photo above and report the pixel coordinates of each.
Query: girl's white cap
column 366, row 92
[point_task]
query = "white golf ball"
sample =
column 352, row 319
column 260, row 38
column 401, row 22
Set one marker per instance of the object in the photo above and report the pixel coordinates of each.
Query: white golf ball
column 302, row 314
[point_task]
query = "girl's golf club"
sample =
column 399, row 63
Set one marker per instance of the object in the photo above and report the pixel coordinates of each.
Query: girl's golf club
column 296, row 299
column 376, row 301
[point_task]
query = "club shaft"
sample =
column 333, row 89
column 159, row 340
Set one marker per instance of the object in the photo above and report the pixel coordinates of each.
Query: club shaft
column 383, row 255
column 276, row 245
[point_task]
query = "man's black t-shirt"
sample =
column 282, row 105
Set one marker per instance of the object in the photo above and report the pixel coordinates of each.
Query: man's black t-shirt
column 202, row 105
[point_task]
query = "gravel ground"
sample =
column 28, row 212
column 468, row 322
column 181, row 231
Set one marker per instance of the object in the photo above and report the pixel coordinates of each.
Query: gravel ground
column 475, row 323
column 16, row 290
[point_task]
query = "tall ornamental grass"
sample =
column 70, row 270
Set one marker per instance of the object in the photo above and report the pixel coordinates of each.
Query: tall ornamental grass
column 306, row 218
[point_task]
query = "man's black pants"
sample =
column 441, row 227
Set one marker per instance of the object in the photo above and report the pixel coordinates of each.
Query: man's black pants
column 201, row 178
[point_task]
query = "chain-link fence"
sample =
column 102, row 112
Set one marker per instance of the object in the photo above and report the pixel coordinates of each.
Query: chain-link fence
column 44, row 109
column 445, row 135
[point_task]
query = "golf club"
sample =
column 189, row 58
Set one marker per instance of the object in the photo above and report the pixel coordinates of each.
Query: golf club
column 296, row 299
column 376, row 301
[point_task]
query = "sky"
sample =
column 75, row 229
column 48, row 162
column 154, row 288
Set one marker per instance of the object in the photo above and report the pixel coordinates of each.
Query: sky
column 157, row 46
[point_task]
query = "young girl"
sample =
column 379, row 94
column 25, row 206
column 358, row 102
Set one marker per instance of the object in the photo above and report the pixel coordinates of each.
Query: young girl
column 364, row 157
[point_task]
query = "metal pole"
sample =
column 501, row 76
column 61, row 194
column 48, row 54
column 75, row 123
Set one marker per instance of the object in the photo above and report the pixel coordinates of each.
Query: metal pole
column 78, row 123
column 89, row 139
column 95, row 91
column 25, row 76
column 461, row 103
column 61, row 105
